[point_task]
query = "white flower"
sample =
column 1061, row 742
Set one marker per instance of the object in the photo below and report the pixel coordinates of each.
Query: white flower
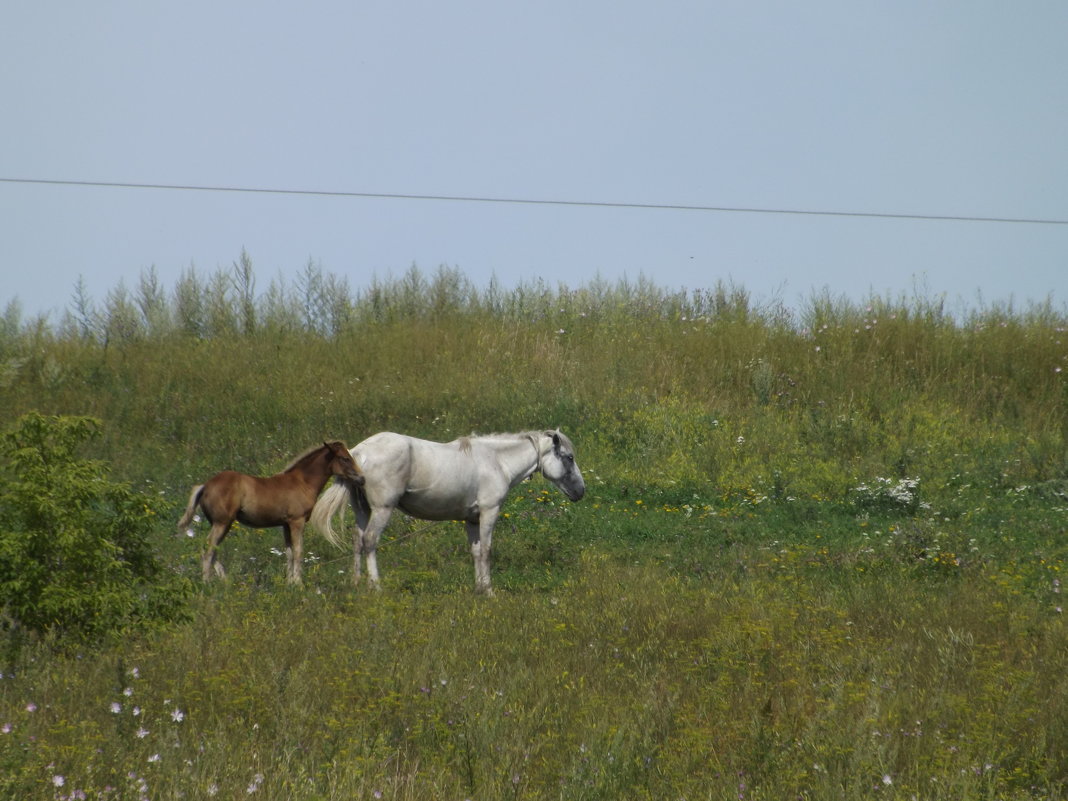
column 116, row 707
column 257, row 780
column 177, row 716
column 887, row 780
column 58, row 781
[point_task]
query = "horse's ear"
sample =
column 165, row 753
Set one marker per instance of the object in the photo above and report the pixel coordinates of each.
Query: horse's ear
column 556, row 437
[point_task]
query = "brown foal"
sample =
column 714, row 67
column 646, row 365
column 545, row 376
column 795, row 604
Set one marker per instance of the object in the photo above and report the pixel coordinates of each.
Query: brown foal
column 284, row 499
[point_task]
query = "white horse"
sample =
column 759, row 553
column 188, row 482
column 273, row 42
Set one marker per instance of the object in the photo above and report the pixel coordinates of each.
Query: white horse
column 466, row 480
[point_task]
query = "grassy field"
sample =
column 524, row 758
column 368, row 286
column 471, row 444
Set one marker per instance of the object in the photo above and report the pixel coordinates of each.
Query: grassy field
column 820, row 555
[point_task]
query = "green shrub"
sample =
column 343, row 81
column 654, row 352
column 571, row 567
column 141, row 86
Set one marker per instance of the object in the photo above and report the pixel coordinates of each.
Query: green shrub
column 74, row 546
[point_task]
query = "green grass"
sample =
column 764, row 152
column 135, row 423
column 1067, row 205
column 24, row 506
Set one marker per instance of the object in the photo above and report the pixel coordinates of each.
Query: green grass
column 819, row 557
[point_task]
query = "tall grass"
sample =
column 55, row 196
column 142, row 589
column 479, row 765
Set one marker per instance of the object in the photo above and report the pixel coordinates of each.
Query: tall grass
column 830, row 395
column 820, row 554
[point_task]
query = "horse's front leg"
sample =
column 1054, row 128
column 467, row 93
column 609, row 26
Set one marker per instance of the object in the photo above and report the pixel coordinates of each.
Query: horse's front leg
column 480, row 538
column 294, row 536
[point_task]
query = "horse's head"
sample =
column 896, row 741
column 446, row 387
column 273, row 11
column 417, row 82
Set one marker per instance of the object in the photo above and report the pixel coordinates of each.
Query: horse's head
column 342, row 464
column 558, row 465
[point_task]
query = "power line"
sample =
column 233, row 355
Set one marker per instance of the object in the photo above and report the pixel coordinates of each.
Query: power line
column 534, row 201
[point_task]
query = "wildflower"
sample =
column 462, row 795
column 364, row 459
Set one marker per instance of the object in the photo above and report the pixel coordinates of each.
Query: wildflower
column 213, row 789
column 135, row 672
column 58, row 781
column 142, row 733
column 154, row 758
column 887, row 780
column 128, row 692
column 177, row 716
column 257, row 780
column 116, row 707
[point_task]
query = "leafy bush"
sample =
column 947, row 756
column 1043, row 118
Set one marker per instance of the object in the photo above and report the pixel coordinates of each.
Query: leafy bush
column 74, row 546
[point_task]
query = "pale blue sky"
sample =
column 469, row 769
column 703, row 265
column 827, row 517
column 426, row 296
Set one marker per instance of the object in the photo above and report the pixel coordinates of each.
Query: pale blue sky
column 943, row 108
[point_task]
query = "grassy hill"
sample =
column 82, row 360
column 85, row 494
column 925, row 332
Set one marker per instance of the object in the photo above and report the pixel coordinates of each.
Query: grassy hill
column 820, row 554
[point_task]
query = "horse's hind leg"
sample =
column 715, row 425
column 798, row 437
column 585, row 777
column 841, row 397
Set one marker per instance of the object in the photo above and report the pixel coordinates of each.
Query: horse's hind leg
column 294, row 536
column 210, row 560
column 369, row 543
column 362, row 516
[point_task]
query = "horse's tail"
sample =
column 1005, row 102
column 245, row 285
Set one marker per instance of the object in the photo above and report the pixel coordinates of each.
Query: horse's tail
column 328, row 505
column 190, row 509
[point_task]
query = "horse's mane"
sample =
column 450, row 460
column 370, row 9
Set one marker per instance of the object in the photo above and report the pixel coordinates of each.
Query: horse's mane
column 304, row 455
column 464, row 443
